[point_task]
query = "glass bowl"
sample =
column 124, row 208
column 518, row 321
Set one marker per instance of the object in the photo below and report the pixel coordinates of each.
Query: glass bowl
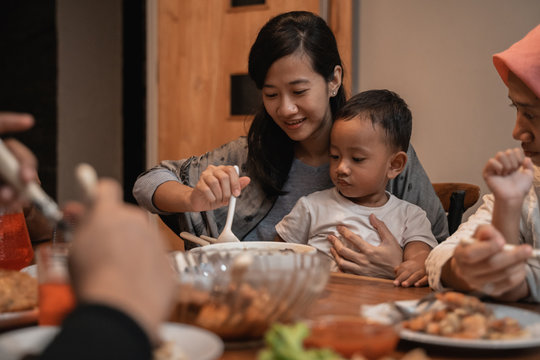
column 238, row 295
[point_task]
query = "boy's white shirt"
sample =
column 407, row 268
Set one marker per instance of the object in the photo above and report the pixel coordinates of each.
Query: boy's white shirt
column 529, row 228
column 317, row 215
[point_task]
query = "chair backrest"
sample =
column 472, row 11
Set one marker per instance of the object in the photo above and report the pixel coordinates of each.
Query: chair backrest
column 455, row 199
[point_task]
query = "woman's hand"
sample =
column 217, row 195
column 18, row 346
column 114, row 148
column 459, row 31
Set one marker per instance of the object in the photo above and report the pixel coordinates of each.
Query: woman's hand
column 366, row 259
column 484, row 266
column 215, row 187
column 509, row 174
column 213, row 191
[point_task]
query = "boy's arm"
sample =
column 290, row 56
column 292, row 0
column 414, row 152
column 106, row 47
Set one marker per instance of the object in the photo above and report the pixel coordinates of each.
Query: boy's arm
column 509, row 176
column 412, row 271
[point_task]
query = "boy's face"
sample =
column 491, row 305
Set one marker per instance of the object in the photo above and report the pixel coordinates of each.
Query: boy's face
column 527, row 127
column 360, row 160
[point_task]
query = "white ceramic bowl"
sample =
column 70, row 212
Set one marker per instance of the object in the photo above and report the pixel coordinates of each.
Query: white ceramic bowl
column 238, row 295
column 257, row 246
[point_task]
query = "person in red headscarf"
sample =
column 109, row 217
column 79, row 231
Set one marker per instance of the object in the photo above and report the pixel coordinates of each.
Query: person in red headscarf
column 510, row 214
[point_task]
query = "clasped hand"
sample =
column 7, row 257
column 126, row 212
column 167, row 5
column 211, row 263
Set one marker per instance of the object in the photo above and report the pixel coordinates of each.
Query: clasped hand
column 486, row 267
column 215, row 187
column 365, row 259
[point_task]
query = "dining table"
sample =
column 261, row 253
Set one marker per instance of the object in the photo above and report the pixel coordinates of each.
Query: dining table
column 345, row 294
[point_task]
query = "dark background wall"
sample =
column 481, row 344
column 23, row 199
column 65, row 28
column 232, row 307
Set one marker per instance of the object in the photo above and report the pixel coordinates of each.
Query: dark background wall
column 28, row 76
column 78, row 66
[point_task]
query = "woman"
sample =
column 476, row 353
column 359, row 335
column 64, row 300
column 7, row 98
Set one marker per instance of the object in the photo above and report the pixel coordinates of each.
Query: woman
column 511, row 213
column 296, row 64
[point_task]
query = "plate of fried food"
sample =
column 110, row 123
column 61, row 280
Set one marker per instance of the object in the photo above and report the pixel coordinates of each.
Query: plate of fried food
column 18, row 298
column 458, row 320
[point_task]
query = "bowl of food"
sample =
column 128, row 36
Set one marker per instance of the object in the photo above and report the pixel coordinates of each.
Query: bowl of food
column 257, row 246
column 349, row 335
column 238, row 295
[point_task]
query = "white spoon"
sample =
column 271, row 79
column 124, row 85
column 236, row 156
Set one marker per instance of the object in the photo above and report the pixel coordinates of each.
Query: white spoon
column 88, row 179
column 227, row 234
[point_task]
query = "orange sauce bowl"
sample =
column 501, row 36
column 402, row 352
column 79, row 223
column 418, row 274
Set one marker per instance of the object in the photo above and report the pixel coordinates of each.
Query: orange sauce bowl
column 348, row 335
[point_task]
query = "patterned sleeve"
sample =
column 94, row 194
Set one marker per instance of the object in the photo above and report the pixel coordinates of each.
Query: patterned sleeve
column 186, row 171
column 444, row 251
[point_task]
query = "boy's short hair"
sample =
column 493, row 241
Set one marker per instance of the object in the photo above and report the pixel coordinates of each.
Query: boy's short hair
column 383, row 107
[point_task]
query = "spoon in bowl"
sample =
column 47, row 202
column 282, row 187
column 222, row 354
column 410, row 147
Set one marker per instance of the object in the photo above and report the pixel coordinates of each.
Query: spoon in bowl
column 226, row 234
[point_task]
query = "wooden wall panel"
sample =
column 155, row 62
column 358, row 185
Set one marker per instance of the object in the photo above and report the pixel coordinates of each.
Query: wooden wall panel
column 340, row 20
column 202, row 42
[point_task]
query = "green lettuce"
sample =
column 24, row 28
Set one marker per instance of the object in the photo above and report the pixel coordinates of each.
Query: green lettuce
column 286, row 342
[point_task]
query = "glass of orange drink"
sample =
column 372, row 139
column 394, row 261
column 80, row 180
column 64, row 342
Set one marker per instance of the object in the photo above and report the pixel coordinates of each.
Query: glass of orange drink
column 56, row 298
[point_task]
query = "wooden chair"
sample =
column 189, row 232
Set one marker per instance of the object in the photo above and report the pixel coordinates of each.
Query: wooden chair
column 455, row 199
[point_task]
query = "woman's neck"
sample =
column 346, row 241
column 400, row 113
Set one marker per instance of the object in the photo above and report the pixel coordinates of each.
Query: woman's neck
column 311, row 156
column 314, row 150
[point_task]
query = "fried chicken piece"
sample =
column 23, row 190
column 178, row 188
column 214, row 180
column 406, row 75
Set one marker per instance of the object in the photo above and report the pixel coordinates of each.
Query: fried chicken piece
column 18, row 291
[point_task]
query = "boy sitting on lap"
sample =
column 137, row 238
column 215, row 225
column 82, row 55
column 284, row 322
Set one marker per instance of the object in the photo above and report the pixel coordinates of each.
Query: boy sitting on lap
column 368, row 145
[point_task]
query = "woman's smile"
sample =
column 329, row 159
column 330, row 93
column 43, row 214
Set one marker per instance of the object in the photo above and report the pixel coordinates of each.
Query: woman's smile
column 294, row 124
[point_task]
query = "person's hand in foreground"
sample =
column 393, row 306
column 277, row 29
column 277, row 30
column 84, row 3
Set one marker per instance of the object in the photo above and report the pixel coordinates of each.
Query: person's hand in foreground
column 366, row 259
column 119, row 260
column 13, row 122
column 485, row 267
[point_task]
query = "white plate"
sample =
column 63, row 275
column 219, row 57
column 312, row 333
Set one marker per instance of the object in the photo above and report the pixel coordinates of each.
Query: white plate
column 195, row 343
column 527, row 319
column 16, row 318
column 30, row 270
column 256, row 246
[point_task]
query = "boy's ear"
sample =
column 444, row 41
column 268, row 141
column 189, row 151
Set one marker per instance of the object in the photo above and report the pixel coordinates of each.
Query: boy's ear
column 397, row 164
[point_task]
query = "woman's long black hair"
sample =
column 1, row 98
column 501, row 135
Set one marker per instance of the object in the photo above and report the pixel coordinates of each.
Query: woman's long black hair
column 271, row 151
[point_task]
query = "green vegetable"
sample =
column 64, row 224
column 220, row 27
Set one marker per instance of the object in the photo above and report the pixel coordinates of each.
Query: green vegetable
column 286, row 342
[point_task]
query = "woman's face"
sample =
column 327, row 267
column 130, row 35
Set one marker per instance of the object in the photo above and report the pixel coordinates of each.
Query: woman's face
column 527, row 127
column 297, row 98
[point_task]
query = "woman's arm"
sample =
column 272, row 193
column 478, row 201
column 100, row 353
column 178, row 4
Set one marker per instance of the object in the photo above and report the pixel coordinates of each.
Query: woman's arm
column 194, row 184
column 213, row 190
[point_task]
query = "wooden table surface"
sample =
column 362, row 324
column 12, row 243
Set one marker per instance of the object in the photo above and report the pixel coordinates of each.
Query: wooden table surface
column 345, row 294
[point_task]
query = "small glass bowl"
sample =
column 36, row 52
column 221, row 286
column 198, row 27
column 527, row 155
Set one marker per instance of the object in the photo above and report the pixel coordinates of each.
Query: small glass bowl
column 349, row 335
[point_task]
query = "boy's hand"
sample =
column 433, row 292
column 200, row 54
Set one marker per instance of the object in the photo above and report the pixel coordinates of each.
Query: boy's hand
column 412, row 271
column 509, row 175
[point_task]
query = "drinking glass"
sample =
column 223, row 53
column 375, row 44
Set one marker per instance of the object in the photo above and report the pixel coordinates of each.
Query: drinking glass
column 56, row 298
column 15, row 246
